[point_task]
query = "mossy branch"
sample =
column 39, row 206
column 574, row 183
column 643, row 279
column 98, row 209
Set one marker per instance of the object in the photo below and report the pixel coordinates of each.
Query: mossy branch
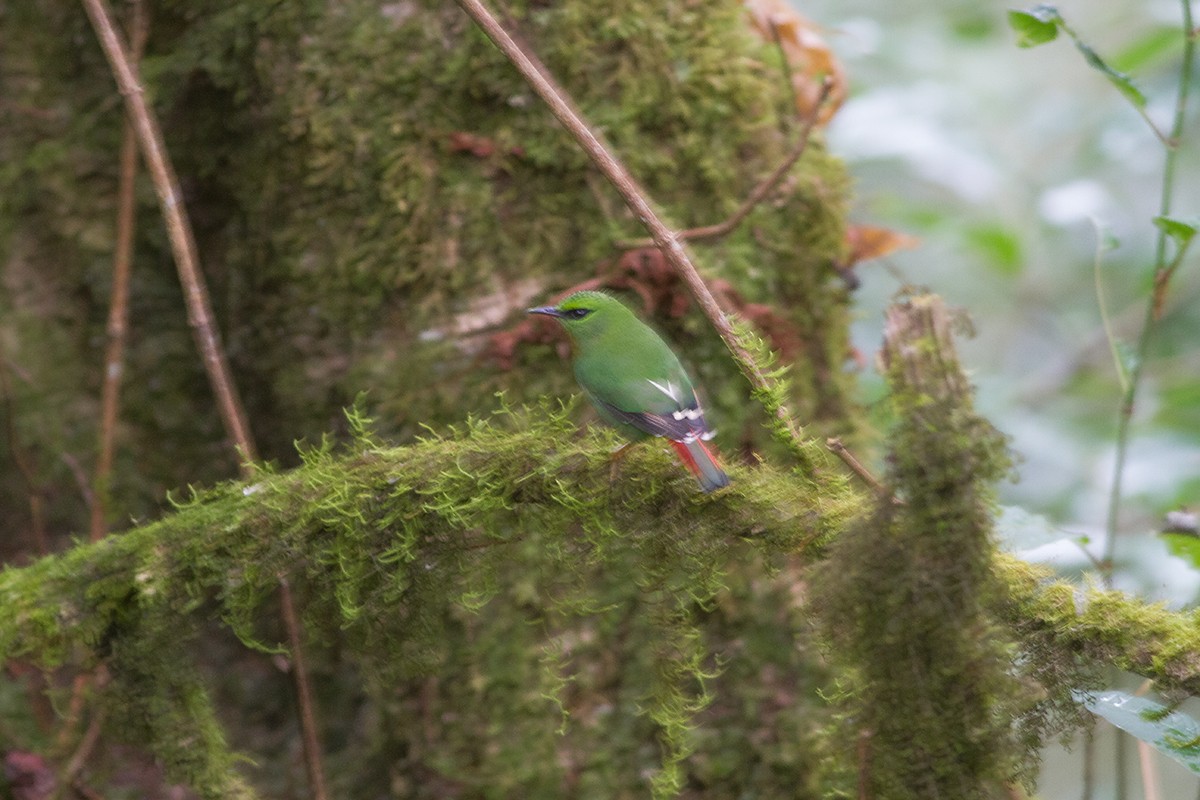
column 441, row 495
column 906, row 594
column 1098, row 626
column 382, row 541
column 925, row 617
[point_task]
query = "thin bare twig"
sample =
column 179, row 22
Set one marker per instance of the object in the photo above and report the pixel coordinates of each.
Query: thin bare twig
column 204, row 328
column 758, row 193
column 836, row 447
column 74, row 713
column 118, row 309
column 183, row 243
column 308, row 720
column 1150, row 781
column 1089, row 762
column 663, row 237
column 96, row 491
column 87, row 744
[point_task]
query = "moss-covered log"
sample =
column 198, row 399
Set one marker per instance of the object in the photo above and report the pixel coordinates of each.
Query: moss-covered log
column 506, row 564
column 906, row 596
column 519, row 618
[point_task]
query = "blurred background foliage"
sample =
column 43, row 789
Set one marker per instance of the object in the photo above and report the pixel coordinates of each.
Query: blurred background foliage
column 1018, row 169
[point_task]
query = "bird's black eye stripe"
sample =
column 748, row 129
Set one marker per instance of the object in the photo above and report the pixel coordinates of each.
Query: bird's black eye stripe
column 577, row 313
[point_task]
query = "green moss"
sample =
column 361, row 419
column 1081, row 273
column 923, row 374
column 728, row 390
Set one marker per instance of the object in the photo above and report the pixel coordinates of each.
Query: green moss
column 498, row 615
column 907, row 592
column 501, row 561
column 1073, row 629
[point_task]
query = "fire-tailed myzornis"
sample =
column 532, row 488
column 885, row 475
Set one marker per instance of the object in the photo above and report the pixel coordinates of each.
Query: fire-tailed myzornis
column 635, row 381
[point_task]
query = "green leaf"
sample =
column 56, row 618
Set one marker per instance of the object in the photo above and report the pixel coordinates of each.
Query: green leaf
column 1123, row 82
column 1184, row 546
column 1000, row 245
column 1180, row 230
column 1173, row 733
column 1159, row 44
column 1042, row 23
column 1036, row 26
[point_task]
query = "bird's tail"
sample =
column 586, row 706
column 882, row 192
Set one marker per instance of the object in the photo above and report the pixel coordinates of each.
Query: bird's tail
column 697, row 457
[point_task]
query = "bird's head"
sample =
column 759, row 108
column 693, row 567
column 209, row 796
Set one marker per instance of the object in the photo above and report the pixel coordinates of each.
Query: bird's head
column 586, row 314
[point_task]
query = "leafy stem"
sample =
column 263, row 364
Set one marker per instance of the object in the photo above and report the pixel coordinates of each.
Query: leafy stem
column 1042, row 24
column 1168, row 229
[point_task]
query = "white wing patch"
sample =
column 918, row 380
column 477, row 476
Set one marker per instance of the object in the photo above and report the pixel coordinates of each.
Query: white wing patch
column 672, row 391
column 669, row 390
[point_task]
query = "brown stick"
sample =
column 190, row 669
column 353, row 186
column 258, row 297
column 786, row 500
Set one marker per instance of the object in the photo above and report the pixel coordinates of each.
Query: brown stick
column 540, row 80
column 757, row 194
column 87, row 744
column 308, row 719
column 118, row 309
column 183, row 244
column 97, row 492
column 837, row 448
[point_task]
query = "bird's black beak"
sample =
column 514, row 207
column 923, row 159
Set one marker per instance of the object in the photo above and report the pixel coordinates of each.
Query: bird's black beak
column 549, row 311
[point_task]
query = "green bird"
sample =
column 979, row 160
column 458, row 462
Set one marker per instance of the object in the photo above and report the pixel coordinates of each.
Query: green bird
column 634, row 380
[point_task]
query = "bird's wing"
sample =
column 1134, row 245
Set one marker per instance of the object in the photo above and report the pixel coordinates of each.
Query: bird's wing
column 642, row 384
column 683, row 424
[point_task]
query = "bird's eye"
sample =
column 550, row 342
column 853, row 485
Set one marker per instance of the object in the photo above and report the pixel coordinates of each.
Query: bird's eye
column 577, row 313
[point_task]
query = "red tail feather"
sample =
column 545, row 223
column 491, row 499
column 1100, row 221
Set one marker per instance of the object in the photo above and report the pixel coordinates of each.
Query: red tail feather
column 700, row 460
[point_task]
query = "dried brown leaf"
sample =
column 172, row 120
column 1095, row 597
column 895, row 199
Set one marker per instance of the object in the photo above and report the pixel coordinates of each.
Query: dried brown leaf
column 810, row 60
column 865, row 242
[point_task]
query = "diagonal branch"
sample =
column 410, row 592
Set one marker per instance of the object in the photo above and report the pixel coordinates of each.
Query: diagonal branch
column 635, row 197
column 183, row 244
